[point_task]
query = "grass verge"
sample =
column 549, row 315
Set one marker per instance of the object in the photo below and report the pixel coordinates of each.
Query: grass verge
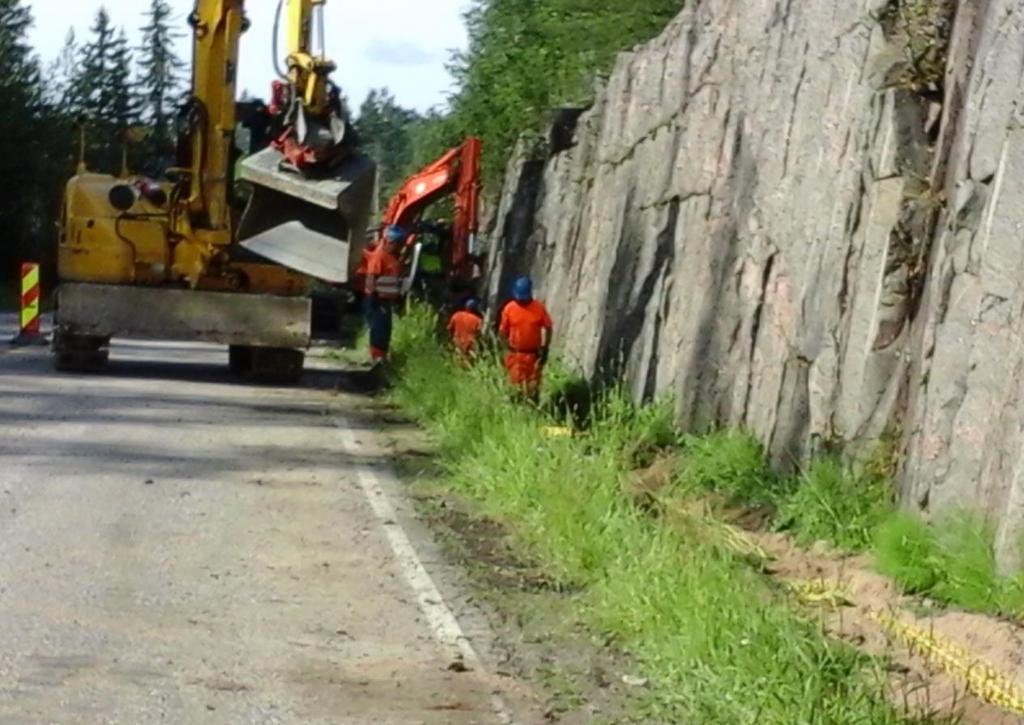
column 952, row 562
column 716, row 642
column 850, row 505
column 836, row 501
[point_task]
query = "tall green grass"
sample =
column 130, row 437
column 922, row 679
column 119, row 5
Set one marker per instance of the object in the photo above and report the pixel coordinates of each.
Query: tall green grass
column 838, row 502
column 832, row 500
column 851, row 505
column 730, row 463
column 716, row 642
column 952, row 562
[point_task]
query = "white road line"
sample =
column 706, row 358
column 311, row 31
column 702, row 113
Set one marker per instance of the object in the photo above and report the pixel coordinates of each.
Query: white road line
column 443, row 624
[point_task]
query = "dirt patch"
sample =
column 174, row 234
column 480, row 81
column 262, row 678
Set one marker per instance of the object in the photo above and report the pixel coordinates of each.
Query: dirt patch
column 535, row 621
column 645, row 486
column 938, row 660
column 487, row 543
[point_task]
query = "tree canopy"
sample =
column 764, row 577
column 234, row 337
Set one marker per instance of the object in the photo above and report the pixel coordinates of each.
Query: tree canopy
column 526, row 57
column 384, row 129
column 161, row 78
column 25, row 127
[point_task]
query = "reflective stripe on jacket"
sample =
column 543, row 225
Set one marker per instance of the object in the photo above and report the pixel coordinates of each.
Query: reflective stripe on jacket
column 384, row 274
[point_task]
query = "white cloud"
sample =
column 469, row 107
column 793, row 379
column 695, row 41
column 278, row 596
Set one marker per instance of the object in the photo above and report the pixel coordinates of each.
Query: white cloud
column 386, row 52
column 401, row 44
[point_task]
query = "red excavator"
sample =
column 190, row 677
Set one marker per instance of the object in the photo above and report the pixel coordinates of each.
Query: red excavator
column 457, row 173
column 451, row 248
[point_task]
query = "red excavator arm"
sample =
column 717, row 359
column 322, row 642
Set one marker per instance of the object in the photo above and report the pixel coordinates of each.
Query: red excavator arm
column 457, row 173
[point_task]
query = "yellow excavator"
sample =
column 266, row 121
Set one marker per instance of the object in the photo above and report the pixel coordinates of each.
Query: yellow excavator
column 228, row 247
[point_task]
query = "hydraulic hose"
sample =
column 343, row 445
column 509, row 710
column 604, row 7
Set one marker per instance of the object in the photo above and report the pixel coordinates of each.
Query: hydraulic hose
column 319, row 10
column 277, row 35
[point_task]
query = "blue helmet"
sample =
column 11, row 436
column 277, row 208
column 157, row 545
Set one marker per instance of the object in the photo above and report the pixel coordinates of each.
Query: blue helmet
column 522, row 290
column 472, row 304
column 395, row 234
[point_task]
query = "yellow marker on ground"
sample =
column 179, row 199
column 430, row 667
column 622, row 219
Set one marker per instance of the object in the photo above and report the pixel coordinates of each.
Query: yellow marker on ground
column 557, row 432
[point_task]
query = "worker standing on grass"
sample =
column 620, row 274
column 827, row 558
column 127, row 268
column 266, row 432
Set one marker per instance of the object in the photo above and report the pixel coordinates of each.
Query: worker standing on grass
column 383, row 289
column 464, row 327
column 527, row 327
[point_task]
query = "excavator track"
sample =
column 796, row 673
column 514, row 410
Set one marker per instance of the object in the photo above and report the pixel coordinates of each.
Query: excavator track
column 79, row 353
column 270, row 365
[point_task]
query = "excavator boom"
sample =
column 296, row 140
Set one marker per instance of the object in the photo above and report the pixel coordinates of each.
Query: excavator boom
column 456, row 173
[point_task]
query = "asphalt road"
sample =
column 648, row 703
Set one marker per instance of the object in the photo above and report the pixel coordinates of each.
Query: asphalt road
column 176, row 547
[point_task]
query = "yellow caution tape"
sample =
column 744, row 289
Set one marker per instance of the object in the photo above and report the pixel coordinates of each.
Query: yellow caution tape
column 981, row 679
column 819, row 591
column 736, row 540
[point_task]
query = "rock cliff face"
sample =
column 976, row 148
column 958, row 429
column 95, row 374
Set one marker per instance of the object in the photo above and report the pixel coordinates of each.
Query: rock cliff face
column 791, row 217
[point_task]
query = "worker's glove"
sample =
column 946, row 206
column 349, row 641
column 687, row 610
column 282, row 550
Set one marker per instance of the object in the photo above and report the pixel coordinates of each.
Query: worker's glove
column 543, row 356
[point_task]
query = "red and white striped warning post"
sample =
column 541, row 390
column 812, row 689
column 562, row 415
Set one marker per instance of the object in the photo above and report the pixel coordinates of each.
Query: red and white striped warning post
column 29, row 332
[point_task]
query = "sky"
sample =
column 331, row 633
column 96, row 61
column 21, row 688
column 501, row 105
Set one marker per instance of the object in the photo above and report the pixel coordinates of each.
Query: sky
column 401, row 44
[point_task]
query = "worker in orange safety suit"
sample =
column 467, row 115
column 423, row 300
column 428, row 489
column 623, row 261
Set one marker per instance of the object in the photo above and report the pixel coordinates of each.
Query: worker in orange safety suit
column 383, row 290
column 527, row 327
column 465, row 327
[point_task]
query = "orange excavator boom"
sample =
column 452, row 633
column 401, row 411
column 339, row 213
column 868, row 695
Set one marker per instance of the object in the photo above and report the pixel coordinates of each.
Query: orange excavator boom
column 457, row 173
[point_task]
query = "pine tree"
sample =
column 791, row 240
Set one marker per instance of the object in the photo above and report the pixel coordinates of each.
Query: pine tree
column 161, row 76
column 24, row 193
column 384, row 131
column 103, row 92
column 62, row 73
column 123, row 109
column 20, row 87
column 89, row 89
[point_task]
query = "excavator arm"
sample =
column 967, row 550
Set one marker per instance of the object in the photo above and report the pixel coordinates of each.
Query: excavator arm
column 457, row 173
column 309, row 74
column 200, row 214
column 312, row 189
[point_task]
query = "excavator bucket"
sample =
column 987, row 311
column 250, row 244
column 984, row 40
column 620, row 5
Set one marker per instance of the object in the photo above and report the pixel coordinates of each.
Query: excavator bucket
column 313, row 225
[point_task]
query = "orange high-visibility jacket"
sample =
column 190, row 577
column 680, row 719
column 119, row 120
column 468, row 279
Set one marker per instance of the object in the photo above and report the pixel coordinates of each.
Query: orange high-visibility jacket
column 359, row 283
column 384, row 274
column 523, row 325
column 465, row 327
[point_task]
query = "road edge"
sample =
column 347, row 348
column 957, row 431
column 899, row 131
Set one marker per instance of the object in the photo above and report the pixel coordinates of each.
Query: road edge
column 381, row 487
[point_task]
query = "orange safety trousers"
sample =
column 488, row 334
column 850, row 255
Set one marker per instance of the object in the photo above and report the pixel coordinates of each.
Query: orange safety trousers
column 524, row 370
